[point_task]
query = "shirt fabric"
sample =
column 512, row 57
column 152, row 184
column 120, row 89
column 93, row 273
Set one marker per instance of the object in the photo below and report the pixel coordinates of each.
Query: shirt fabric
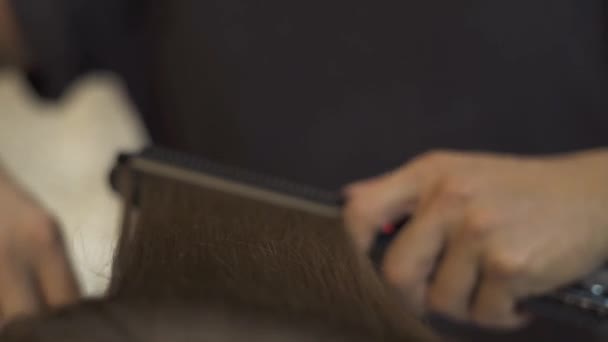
column 328, row 91
column 325, row 92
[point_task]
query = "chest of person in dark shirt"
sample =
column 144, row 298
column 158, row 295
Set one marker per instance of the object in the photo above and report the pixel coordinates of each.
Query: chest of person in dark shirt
column 326, row 92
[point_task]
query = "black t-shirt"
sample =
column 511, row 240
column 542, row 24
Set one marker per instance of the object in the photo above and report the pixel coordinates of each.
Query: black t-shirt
column 328, row 91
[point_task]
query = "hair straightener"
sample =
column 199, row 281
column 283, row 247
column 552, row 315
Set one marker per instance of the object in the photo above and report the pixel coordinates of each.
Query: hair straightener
column 584, row 304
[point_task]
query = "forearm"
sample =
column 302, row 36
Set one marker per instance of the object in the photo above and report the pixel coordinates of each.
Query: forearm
column 11, row 48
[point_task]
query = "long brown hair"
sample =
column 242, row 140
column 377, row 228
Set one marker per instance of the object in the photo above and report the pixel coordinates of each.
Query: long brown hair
column 199, row 265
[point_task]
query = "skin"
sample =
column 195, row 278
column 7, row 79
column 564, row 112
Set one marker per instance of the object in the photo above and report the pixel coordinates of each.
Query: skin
column 11, row 49
column 35, row 273
column 487, row 230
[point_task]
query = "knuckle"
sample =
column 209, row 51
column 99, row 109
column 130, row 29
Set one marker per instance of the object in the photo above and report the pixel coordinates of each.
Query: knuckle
column 505, row 266
column 395, row 276
column 353, row 206
column 478, row 225
column 355, row 213
column 358, row 208
column 453, row 187
column 434, row 157
column 42, row 232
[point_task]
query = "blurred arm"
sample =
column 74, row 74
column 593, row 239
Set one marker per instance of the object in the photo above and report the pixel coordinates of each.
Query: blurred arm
column 11, row 51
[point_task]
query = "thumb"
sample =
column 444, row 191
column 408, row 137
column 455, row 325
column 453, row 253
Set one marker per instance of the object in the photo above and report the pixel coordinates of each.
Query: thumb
column 372, row 203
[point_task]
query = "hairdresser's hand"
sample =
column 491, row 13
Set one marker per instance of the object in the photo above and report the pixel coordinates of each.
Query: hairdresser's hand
column 506, row 227
column 34, row 271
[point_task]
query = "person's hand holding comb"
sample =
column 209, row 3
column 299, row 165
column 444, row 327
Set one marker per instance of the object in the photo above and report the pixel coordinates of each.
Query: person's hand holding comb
column 487, row 230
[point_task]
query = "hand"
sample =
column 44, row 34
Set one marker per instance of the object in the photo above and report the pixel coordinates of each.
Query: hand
column 486, row 230
column 34, row 270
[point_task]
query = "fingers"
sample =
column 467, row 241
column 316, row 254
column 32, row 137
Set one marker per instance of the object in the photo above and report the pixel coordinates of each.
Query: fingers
column 18, row 294
column 34, row 270
column 411, row 258
column 454, row 283
column 389, row 192
column 494, row 306
column 35, row 273
column 441, row 193
column 51, row 267
column 57, row 282
column 374, row 203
